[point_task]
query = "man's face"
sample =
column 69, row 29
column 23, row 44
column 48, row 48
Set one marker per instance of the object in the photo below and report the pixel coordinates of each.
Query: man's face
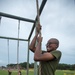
column 51, row 45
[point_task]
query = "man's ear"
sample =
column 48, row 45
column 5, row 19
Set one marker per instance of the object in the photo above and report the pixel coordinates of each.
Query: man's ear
column 56, row 46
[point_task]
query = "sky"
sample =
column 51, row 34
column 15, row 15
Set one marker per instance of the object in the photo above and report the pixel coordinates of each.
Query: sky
column 57, row 20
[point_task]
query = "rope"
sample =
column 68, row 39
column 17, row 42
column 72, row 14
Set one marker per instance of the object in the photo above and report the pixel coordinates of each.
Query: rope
column 18, row 45
column 8, row 50
column 9, row 70
column 38, row 20
column 37, row 5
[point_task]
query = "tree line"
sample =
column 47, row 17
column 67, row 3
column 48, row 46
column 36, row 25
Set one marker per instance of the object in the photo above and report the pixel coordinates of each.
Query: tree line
column 60, row 66
column 66, row 67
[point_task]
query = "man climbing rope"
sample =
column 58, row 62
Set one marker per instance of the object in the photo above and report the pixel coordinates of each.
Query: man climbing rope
column 48, row 59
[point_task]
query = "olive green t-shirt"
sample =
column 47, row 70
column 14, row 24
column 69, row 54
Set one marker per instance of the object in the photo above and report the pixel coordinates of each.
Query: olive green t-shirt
column 49, row 67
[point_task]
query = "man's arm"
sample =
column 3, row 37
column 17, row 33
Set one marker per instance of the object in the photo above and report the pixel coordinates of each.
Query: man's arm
column 37, row 53
column 38, row 56
column 33, row 43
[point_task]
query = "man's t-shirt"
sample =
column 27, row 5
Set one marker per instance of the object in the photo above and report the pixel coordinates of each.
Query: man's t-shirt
column 49, row 67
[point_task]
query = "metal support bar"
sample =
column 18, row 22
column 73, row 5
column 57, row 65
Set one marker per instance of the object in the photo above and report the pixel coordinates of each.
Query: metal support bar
column 40, row 11
column 3, row 37
column 28, row 59
column 0, row 20
column 16, row 17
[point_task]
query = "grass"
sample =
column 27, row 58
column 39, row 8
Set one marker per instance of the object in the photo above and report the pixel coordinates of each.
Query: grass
column 15, row 72
column 58, row 72
column 64, row 72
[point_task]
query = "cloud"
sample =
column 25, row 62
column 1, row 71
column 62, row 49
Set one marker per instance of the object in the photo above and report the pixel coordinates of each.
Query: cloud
column 2, row 63
column 57, row 20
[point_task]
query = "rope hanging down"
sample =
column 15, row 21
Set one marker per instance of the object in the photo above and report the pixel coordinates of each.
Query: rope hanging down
column 8, row 51
column 38, row 20
column 18, row 45
column 9, row 70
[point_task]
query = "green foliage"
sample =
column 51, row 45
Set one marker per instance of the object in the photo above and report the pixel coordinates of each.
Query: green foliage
column 60, row 66
column 22, row 65
column 66, row 67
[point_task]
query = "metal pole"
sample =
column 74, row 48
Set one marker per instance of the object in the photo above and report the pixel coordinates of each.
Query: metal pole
column 16, row 17
column 28, row 59
column 41, row 9
column 11, row 38
column 0, row 20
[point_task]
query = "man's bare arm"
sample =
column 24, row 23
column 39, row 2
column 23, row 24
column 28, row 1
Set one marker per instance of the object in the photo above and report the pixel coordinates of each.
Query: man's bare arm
column 33, row 43
column 38, row 56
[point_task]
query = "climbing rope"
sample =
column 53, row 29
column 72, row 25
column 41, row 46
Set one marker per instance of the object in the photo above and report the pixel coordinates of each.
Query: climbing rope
column 9, row 69
column 38, row 18
column 38, row 22
column 18, row 45
column 8, row 50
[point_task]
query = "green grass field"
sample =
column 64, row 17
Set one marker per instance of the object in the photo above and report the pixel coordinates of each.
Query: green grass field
column 58, row 72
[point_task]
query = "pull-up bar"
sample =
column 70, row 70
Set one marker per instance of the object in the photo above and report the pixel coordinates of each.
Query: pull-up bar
column 16, row 17
column 13, row 38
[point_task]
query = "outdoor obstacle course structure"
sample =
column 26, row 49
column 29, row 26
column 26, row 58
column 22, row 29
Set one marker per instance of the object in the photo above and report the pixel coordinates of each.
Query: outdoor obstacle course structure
column 27, row 20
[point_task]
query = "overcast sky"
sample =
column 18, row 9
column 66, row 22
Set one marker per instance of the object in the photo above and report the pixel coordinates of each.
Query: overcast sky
column 57, row 20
